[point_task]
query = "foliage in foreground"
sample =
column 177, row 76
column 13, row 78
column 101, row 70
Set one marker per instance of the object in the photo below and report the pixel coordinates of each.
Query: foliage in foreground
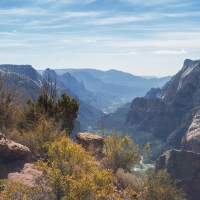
column 121, row 152
column 159, row 186
column 72, row 173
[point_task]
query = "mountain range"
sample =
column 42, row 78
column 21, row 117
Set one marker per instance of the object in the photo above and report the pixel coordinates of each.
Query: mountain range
column 97, row 91
column 110, row 89
column 167, row 117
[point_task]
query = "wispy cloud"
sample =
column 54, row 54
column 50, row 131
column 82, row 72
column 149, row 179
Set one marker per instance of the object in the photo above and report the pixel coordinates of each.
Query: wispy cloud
column 132, row 53
column 66, row 41
column 23, row 12
column 148, row 3
column 119, row 19
column 81, row 14
column 64, row 2
column 88, row 40
column 167, row 52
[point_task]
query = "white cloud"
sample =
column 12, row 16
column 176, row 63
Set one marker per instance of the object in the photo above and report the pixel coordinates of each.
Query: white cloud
column 66, row 41
column 23, row 12
column 88, row 40
column 81, row 14
column 61, row 2
column 119, row 19
column 166, row 52
column 148, row 3
column 132, row 53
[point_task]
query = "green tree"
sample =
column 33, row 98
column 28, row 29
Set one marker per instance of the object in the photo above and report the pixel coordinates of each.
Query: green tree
column 62, row 110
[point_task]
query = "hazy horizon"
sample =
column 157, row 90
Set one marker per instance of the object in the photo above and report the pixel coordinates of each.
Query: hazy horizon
column 142, row 38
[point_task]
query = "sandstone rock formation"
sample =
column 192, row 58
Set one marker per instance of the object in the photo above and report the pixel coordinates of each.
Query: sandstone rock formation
column 13, row 164
column 10, row 150
column 154, row 116
column 183, row 165
column 168, row 115
column 27, row 175
column 20, row 171
column 90, row 141
column 191, row 141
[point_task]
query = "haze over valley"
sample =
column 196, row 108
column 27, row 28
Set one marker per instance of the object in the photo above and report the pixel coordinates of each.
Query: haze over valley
column 99, row 99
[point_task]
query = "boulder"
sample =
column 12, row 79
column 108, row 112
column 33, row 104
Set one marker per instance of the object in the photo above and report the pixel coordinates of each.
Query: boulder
column 27, row 175
column 20, row 171
column 90, row 141
column 10, row 150
column 183, row 165
column 13, row 166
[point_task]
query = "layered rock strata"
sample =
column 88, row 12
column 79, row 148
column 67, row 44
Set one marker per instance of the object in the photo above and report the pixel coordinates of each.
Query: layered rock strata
column 191, row 141
column 183, row 165
column 166, row 115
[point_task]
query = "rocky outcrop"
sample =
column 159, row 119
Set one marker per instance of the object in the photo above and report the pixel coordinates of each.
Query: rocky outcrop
column 90, row 141
column 13, row 166
column 27, row 175
column 154, row 116
column 152, row 93
column 191, row 141
column 20, row 171
column 164, row 116
column 26, row 70
column 72, row 83
column 185, row 166
column 10, row 150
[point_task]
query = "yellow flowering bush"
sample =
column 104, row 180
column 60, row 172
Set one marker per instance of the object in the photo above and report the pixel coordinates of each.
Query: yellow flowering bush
column 72, row 173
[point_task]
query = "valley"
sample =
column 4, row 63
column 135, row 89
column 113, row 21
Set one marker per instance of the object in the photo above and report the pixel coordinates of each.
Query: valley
column 166, row 117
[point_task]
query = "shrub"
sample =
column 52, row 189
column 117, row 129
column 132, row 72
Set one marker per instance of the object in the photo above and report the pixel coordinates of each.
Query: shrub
column 18, row 191
column 159, row 186
column 128, row 180
column 44, row 131
column 72, row 173
column 121, row 152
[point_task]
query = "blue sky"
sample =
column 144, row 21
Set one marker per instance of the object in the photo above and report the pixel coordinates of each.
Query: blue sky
column 141, row 37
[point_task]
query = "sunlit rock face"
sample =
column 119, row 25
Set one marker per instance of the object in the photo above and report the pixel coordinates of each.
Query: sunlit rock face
column 26, row 70
column 183, row 165
column 167, row 116
column 191, row 141
column 10, row 150
column 90, row 141
column 13, row 163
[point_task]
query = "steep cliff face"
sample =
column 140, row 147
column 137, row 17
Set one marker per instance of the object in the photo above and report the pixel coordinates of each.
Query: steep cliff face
column 22, row 83
column 183, row 92
column 154, row 116
column 152, row 93
column 164, row 116
column 72, row 83
column 185, row 166
column 26, row 70
column 191, row 141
